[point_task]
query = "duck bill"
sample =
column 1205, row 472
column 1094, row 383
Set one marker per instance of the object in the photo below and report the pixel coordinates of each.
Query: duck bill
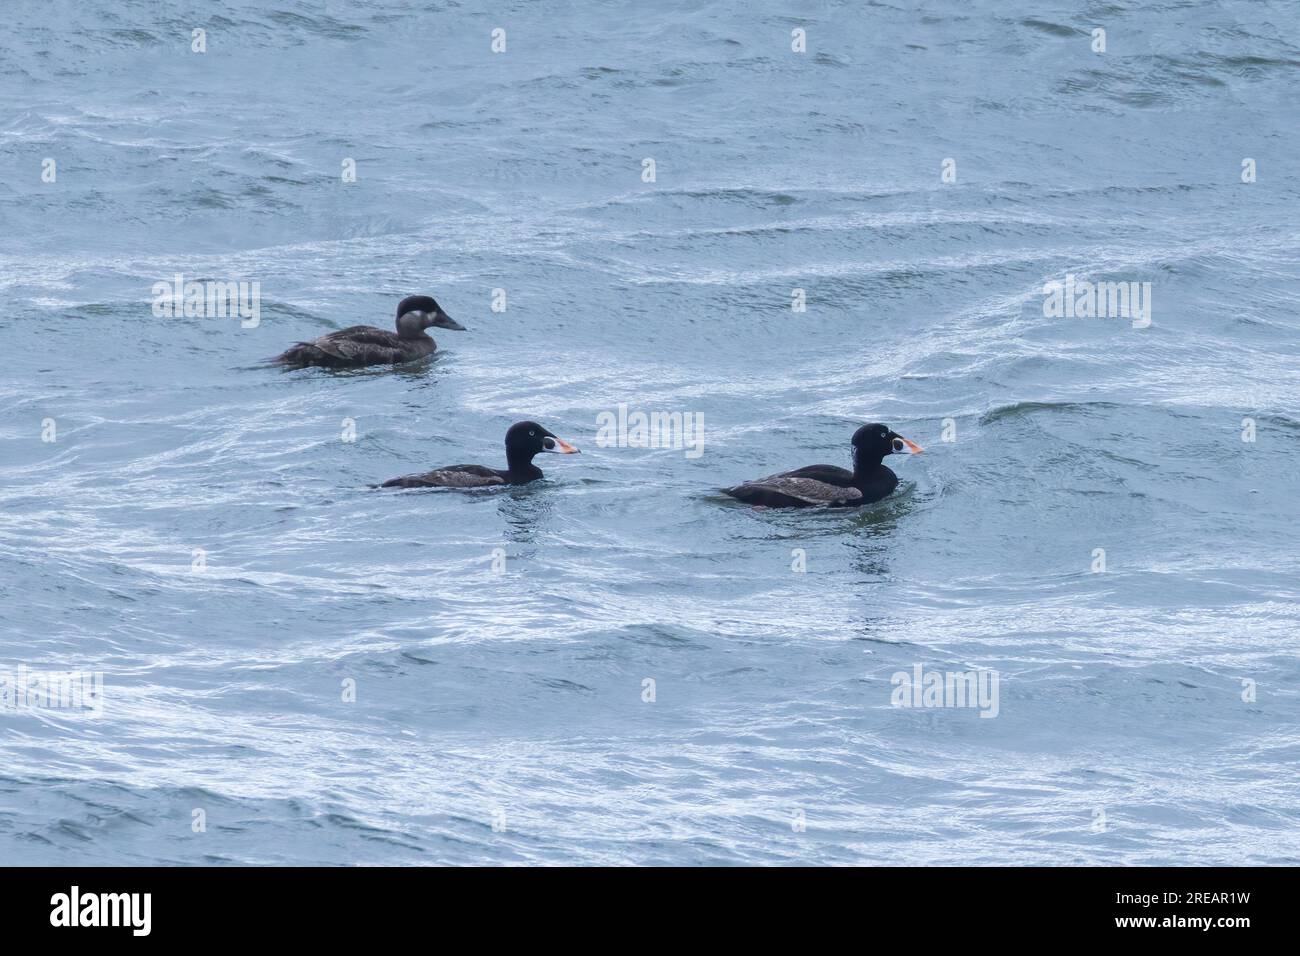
column 562, row 447
column 908, row 446
column 444, row 321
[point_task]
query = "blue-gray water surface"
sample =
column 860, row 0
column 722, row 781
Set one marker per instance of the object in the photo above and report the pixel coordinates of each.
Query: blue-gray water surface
column 617, row 664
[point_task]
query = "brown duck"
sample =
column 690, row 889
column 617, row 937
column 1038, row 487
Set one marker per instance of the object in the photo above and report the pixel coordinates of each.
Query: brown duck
column 362, row 345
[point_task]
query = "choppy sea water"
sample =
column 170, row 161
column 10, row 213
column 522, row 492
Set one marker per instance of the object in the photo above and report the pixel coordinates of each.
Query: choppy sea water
column 194, row 527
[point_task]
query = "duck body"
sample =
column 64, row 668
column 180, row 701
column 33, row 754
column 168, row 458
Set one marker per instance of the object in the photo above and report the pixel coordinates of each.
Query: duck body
column 524, row 440
column 361, row 345
column 830, row 485
column 815, row 485
column 358, row 346
column 464, row 476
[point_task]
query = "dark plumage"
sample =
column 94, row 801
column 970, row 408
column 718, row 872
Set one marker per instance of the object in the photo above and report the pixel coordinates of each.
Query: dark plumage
column 523, row 441
column 828, row 485
column 366, row 345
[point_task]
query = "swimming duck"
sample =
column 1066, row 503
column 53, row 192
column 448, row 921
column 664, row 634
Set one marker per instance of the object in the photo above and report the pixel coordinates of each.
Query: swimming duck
column 828, row 485
column 523, row 441
column 366, row 345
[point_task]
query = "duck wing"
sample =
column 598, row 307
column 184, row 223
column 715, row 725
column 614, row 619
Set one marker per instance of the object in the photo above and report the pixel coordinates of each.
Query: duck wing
column 358, row 345
column 804, row 487
column 831, row 474
column 453, row 476
column 363, row 344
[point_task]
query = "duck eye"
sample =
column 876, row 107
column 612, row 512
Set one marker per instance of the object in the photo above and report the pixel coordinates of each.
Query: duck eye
column 531, row 434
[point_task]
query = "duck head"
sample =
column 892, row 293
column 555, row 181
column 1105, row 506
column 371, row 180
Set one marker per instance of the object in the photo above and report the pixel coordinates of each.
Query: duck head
column 416, row 313
column 526, row 439
column 871, row 443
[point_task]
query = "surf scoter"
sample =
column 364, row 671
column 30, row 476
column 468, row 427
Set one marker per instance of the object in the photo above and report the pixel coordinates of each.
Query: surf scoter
column 523, row 441
column 362, row 345
column 828, row 485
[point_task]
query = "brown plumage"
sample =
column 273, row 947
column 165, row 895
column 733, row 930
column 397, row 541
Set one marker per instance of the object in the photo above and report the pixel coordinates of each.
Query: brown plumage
column 361, row 345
